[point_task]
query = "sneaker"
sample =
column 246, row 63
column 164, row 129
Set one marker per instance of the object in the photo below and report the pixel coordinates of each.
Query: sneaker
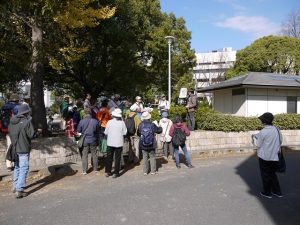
column 190, row 166
column 145, row 174
column 266, row 195
column 279, row 195
column 21, row 194
column 84, row 173
column 115, row 175
column 178, row 167
column 108, row 174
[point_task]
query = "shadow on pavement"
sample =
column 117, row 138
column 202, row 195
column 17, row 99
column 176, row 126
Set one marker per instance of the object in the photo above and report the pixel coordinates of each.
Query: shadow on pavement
column 57, row 172
column 282, row 210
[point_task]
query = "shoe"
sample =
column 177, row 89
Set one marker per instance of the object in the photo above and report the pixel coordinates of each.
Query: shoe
column 21, row 194
column 108, row 174
column 145, row 174
column 115, row 175
column 190, row 166
column 178, row 167
column 84, row 173
column 266, row 195
column 279, row 195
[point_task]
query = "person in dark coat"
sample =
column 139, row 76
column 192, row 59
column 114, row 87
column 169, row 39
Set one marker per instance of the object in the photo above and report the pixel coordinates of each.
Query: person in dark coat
column 21, row 132
column 90, row 127
column 148, row 151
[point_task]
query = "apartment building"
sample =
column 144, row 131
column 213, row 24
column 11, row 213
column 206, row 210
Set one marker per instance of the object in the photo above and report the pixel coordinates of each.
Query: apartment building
column 210, row 68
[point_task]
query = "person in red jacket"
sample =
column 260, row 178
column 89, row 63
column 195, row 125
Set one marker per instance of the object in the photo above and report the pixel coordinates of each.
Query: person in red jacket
column 177, row 124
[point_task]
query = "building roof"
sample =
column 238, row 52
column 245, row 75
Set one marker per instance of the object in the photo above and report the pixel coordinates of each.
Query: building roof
column 258, row 79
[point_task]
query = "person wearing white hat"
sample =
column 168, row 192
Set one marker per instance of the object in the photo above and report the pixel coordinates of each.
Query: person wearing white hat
column 138, row 106
column 147, row 130
column 115, row 131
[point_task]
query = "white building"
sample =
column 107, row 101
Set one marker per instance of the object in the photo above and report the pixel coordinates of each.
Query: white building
column 255, row 93
column 211, row 66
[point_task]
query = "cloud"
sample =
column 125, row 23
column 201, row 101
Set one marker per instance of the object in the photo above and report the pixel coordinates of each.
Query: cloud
column 258, row 26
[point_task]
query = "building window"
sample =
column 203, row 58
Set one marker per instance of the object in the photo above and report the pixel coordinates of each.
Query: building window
column 291, row 104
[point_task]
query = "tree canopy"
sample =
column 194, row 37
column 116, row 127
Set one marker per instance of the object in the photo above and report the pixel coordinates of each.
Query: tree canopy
column 275, row 54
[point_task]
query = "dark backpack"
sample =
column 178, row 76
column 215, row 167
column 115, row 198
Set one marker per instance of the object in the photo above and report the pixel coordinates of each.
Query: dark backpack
column 130, row 125
column 178, row 137
column 6, row 114
column 147, row 134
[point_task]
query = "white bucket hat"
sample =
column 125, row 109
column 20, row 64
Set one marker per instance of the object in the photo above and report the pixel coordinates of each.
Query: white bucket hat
column 117, row 113
column 146, row 116
column 138, row 98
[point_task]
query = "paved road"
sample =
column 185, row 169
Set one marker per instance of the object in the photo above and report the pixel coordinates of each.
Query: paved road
column 218, row 191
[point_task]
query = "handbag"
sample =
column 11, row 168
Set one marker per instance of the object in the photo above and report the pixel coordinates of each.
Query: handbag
column 281, row 165
column 81, row 139
column 103, row 147
column 11, row 154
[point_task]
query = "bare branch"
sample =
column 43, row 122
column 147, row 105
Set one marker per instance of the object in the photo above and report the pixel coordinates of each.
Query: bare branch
column 22, row 19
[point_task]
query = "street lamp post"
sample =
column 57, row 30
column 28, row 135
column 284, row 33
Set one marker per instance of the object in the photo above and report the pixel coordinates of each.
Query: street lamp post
column 170, row 39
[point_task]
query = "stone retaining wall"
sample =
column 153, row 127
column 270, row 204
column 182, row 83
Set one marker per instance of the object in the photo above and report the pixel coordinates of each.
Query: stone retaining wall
column 59, row 150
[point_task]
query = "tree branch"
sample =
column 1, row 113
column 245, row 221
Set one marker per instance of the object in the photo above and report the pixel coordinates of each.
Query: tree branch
column 22, row 19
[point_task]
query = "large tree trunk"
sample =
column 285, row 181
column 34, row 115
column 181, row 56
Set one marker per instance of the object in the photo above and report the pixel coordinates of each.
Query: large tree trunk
column 37, row 88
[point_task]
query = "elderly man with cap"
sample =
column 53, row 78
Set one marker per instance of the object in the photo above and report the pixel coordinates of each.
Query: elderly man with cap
column 163, row 105
column 138, row 106
column 9, row 109
column 21, row 132
column 268, row 141
column 115, row 131
column 91, row 129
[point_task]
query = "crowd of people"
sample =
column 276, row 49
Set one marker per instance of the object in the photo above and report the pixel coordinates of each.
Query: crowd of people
column 107, row 125
column 110, row 124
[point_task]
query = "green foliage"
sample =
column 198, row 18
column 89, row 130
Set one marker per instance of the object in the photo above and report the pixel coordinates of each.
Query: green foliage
column 177, row 109
column 287, row 121
column 275, row 54
column 214, row 121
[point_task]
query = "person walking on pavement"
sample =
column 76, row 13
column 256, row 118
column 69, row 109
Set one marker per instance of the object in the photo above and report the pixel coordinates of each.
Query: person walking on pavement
column 191, row 107
column 21, row 132
column 91, row 129
column 146, row 131
column 268, row 141
column 115, row 131
column 179, row 131
column 9, row 110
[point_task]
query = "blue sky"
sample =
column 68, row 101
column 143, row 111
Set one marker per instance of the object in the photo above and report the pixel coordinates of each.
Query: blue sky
column 229, row 23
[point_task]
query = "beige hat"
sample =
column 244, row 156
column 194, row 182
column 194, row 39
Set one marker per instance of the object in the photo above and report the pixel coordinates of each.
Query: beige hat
column 117, row 113
column 138, row 98
column 146, row 116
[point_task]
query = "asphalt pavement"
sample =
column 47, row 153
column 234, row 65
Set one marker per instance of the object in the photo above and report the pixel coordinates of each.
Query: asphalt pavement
column 218, row 191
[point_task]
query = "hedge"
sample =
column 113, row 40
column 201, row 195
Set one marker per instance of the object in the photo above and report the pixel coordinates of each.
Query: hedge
column 214, row 121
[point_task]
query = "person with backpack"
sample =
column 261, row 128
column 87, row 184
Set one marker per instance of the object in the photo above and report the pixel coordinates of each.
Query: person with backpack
column 115, row 131
column 165, row 123
column 132, row 122
column 9, row 109
column 179, row 132
column 21, row 132
column 146, row 131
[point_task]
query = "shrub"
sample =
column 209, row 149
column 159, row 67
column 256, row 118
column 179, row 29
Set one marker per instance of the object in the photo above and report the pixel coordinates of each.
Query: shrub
column 177, row 109
column 210, row 120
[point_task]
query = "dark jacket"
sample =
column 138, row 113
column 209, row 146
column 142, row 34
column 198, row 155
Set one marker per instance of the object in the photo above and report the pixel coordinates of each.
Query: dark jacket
column 24, row 125
column 155, row 129
column 91, row 130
